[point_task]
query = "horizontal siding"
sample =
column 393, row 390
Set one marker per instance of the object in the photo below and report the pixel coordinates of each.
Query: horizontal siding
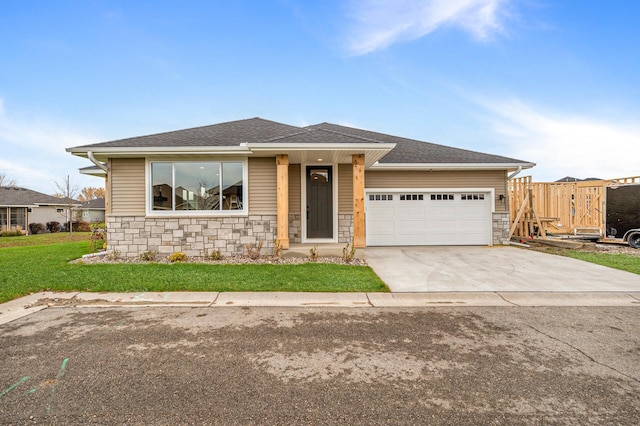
column 442, row 179
column 127, row 186
column 345, row 188
column 262, row 185
column 294, row 188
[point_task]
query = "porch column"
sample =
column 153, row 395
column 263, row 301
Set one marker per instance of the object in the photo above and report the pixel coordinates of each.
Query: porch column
column 359, row 239
column 282, row 199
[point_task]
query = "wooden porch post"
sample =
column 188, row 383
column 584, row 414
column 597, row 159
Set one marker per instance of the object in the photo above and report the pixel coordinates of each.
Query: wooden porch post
column 282, row 199
column 359, row 239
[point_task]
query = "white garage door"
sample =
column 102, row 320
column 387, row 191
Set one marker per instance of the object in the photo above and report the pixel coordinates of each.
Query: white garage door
column 428, row 218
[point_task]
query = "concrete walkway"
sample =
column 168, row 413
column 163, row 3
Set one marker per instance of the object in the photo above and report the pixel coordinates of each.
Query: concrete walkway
column 492, row 269
column 24, row 306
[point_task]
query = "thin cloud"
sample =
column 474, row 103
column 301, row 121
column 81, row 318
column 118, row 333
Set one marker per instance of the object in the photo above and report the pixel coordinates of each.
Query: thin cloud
column 33, row 152
column 566, row 145
column 380, row 23
column 39, row 134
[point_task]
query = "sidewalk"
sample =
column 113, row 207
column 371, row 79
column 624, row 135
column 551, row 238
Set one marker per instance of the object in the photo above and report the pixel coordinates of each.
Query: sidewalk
column 24, row 306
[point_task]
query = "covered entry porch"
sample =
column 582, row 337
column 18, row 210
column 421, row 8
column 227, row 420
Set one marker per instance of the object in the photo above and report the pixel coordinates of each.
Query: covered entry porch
column 320, row 190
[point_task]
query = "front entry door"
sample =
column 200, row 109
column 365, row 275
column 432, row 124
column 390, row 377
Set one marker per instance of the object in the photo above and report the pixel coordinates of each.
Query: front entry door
column 319, row 202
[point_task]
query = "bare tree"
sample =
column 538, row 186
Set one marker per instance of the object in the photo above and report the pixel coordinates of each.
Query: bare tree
column 5, row 181
column 68, row 192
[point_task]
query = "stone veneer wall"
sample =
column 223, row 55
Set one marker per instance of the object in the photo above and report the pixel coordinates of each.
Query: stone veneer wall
column 133, row 235
column 501, row 224
column 345, row 228
column 295, row 228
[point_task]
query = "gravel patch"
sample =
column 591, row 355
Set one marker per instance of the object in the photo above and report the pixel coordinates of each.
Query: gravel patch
column 108, row 258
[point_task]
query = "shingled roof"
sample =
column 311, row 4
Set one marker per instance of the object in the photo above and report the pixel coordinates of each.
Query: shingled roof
column 257, row 131
column 413, row 151
column 13, row 196
column 95, row 204
column 231, row 133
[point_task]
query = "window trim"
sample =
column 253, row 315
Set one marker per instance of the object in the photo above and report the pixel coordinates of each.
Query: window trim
column 197, row 213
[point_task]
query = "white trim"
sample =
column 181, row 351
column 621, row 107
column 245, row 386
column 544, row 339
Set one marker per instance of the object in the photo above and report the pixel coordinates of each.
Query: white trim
column 181, row 214
column 303, row 203
column 161, row 150
column 279, row 146
column 450, row 166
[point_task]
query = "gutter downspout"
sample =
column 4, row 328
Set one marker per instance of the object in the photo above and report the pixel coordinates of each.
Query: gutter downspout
column 102, row 165
column 511, row 176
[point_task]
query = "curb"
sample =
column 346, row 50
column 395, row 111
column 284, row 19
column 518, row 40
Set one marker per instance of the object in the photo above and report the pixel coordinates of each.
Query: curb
column 27, row 305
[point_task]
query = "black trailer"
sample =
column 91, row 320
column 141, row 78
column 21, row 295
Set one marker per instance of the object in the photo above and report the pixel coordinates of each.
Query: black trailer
column 623, row 213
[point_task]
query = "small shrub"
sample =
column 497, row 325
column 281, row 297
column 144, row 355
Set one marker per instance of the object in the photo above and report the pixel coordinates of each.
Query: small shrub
column 254, row 252
column 53, row 227
column 95, row 226
column 79, row 226
column 97, row 241
column 149, row 256
column 12, row 233
column 178, row 257
column 313, row 253
column 348, row 253
column 36, row 228
column 277, row 249
column 214, row 255
column 113, row 255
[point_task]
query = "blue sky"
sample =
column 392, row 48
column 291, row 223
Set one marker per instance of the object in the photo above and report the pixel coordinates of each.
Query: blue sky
column 555, row 82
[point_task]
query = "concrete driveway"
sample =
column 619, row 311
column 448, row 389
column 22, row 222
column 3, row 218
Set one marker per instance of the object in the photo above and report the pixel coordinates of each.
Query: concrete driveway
column 499, row 268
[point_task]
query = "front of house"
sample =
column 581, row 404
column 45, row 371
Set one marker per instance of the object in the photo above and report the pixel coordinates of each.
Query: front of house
column 224, row 186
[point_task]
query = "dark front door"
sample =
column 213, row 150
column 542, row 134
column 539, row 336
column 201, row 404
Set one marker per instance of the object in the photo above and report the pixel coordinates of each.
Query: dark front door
column 319, row 202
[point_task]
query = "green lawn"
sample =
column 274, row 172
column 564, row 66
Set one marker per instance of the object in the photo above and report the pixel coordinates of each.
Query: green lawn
column 43, row 239
column 623, row 262
column 26, row 269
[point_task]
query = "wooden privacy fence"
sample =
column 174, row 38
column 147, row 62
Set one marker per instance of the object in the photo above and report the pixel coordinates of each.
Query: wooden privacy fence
column 538, row 208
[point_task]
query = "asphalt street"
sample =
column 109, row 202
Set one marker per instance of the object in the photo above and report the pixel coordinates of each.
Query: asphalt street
column 261, row 365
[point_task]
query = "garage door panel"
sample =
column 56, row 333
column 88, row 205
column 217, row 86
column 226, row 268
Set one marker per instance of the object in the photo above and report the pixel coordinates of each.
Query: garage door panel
column 429, row 218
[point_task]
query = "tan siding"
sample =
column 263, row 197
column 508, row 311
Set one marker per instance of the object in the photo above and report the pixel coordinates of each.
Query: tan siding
column 127, row 186
column 345, row 188
column 294, row 188
column 262, row 185
column 444, row 179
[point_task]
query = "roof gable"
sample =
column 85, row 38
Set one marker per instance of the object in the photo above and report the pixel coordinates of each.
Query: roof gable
column 409, row 151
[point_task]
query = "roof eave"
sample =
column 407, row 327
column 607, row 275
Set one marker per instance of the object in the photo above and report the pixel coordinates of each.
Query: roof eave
column 341, row 152
column 270, row 146
column 103, row 153
column 451, row 166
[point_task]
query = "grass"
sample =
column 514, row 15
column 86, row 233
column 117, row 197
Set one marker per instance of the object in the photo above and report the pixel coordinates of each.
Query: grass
column 43, row 239
column 624, row 262
column 31, row 268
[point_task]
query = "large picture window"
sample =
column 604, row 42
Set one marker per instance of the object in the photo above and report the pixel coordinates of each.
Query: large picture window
column 197, row 186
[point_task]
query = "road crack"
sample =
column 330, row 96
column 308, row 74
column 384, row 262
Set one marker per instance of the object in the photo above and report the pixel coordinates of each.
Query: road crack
column 586, row 355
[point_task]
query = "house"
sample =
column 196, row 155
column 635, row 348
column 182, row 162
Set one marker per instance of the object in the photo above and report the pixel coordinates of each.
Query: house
column 572, row 179
column 223, row 186
column 20, row 207
column 92, row 210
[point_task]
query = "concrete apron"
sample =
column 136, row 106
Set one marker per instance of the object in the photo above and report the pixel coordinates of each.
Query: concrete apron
column 492, row 269
column 33, row 303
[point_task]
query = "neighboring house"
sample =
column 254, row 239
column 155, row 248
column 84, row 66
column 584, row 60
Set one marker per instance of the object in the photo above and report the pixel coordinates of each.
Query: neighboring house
column 20, row 206
column 572, row 179
column 224, row 186
column 92, row 210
